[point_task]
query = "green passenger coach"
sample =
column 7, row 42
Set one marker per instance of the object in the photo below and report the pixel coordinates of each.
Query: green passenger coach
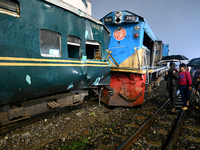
column 48, row 47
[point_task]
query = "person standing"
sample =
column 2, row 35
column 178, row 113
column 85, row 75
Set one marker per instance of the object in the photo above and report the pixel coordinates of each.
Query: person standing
column 185, row 84
column 172, row 78
column 197, row 86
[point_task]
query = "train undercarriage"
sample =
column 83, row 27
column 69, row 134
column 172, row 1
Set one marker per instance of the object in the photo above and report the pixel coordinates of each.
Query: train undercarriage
column 27, row 109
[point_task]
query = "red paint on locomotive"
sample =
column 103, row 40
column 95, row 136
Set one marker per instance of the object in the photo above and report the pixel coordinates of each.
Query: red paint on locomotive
column 128, row 89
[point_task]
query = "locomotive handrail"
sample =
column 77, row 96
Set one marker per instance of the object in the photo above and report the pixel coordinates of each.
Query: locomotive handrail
column 147, row 75
column 154, row 53
column 147, row 70
column 109, row 54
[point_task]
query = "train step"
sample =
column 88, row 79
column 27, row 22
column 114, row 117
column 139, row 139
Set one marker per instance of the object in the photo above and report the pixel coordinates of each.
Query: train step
column 179, row 100
column 178, row 106
column 178, row 103
column 52, row 104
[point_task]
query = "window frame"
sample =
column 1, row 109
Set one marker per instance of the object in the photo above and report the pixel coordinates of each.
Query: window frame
column 10, row 7
column 60, row 45
column 74, row 44
column 93, row 43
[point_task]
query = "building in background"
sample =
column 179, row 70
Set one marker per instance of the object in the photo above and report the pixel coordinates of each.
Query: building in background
column 83, row 5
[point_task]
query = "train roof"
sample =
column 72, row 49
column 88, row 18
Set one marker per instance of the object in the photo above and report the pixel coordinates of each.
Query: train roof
column 147, row 29
column 76, row 11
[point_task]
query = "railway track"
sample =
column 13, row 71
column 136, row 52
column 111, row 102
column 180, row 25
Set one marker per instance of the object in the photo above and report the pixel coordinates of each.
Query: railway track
column 17, row 123
column 88, row 125
column 160, row 131
column 189, row 137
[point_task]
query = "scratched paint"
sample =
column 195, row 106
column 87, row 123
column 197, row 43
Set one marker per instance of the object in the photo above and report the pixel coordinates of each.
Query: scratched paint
column 84, row 58
column 48, row 75
column 70, row 86
column 97, row 80
column 89, row 30
column 88, row 77
column 86, row 34
column 28, row 79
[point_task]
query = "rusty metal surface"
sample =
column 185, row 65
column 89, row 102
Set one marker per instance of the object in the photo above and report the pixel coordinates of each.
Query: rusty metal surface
column 16, row 112
column 126, row 145
column 3, row 116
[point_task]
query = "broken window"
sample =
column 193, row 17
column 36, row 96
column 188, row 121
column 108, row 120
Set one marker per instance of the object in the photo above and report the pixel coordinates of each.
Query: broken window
column 9, row 7
column 93, row 50
column 74, row 47
column 50, row 43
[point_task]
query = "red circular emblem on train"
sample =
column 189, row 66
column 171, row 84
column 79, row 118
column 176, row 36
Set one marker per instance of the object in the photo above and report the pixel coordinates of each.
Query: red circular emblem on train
column 119, row 33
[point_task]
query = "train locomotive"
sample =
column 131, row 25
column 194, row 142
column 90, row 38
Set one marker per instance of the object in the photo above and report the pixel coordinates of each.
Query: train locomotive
column 133, row 52
column 48, row 47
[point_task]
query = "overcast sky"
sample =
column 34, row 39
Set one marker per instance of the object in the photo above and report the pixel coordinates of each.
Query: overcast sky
column 175, row 22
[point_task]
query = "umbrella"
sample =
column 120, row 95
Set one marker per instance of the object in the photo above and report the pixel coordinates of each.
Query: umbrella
column 194, row 62
column 174, row 58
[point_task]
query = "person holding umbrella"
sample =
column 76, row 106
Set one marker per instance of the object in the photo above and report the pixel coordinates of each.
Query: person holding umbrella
column 185, row 84
column 172, row 78
column 195, row 62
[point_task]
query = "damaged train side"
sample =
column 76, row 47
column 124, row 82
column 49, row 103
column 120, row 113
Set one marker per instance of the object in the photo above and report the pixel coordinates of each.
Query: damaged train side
column 48, row 47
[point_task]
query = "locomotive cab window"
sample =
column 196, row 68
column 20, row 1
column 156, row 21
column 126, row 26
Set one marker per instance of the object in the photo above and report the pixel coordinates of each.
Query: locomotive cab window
column 93, row 50
column 147, row 41
column 9, row 7
column 74, row 47
column 50, row 43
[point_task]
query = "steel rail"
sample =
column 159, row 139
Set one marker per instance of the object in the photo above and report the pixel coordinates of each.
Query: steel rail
column 5, row 128
column 126, row 145
column 174, row 133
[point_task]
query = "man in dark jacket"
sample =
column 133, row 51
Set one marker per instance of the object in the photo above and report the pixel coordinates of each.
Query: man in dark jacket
column 172, row 78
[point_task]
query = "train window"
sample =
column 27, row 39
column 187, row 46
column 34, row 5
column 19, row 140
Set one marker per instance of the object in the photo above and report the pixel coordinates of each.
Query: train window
column 147, row 41
column 50, row 43
column 93, row 50
column 74, row 47
column 9, row 7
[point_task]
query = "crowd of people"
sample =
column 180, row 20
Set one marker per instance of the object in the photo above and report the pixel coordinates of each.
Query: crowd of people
column 183, row 80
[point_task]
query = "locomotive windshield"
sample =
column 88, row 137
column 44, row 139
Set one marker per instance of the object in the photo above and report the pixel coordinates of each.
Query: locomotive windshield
column 147, row 41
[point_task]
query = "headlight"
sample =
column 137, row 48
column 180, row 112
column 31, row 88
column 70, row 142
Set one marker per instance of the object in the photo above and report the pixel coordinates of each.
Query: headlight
column 137, row 27
column 118, row 14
